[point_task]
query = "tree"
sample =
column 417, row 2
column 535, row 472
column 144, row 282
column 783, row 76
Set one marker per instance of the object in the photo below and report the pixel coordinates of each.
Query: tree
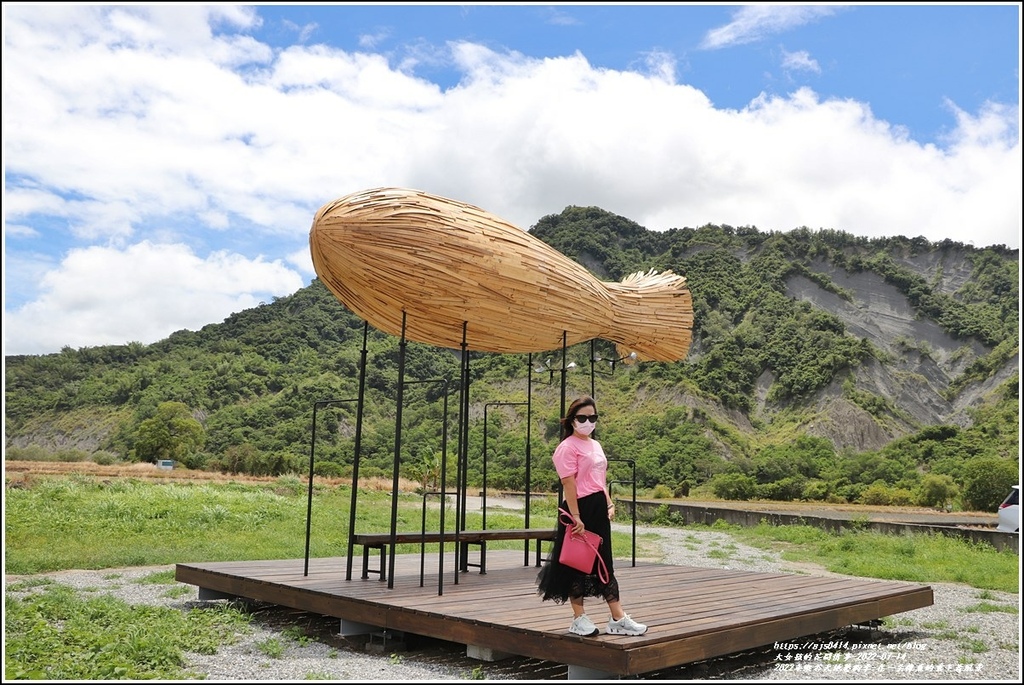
column 170, row 433
column 986, row 482
column 936, row 490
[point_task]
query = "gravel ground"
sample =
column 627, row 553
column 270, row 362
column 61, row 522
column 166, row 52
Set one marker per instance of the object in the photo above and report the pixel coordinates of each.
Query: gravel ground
column 952, row 640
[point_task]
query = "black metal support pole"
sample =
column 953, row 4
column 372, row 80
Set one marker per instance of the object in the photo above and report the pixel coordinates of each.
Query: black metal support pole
column 483, row 468
column 463, row 481
column 357, row 450
column 529, row 450
column 561, row 409
column 398, row 453
column 444, row 497
column 633, row 466
column 309, row 499
column 593, row 360
column 632, row 481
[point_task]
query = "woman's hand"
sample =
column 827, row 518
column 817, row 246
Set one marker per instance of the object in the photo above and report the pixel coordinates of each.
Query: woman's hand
column 611, row 511
column 577, row 525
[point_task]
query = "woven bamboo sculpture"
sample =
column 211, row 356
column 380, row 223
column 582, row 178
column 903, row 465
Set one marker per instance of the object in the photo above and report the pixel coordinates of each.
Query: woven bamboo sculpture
column 448, row 265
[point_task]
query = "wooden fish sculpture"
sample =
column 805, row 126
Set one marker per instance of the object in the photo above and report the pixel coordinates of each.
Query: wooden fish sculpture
column 447, row 265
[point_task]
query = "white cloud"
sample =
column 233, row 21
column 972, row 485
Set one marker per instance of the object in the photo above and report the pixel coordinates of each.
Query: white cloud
column 369, row 41
column 753, row 23
column 102, row 296
column 130, row 139
column 303, row 33
column 20, row 231
column 302, row 260
column 800, row 60
column 558, row 17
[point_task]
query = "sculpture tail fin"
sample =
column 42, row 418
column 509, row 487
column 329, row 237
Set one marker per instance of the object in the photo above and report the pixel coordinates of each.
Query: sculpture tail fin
column 652, row 315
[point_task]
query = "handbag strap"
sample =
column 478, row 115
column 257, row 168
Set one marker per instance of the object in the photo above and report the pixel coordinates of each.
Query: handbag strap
column 602, row 569
column 565, row 517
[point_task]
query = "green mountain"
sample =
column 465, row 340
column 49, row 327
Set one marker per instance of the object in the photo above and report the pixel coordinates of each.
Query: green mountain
column 824, row 366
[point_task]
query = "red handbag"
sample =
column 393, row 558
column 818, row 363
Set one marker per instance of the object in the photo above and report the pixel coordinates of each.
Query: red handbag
column 580, row 551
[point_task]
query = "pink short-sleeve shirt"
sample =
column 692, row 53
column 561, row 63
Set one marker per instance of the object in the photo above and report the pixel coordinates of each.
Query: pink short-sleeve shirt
column 583, row 458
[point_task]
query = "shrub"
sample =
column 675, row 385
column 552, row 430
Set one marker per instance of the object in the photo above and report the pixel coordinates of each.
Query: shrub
column 784, row 490
column 290, row 484
column 72, row 455
column 661, row 491
column 901, row 497
column 196, row 461
column 850, row 492
column 327, row 469
column 29, row 453
column 104, row 458
column 986, row 482
column 664, row 516
column 936, row 491
column 876, row 493
column 815, row 490
column 734, row 486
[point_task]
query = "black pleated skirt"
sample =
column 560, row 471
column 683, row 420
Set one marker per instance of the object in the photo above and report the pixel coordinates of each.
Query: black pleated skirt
column 560, row 583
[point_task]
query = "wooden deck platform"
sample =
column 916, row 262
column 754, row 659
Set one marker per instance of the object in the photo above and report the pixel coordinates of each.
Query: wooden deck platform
column 693, row 613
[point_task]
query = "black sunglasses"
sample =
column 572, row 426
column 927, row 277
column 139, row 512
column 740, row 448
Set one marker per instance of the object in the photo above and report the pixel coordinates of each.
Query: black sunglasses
column 583, row 419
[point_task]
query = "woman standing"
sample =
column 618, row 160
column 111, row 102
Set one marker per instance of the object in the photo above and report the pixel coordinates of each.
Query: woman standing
column 582, row 468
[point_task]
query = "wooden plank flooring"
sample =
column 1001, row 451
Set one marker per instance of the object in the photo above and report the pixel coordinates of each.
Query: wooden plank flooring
column 692, row 613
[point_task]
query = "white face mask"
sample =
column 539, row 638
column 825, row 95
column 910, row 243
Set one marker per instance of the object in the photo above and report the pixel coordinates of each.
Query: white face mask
column 584, row 428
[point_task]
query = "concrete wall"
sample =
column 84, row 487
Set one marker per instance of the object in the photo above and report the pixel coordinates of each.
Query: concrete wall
column 708, row 515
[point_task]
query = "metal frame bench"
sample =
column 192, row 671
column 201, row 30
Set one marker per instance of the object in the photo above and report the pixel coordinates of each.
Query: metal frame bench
column 383, row 541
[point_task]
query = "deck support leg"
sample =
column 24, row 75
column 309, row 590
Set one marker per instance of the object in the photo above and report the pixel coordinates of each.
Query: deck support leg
column 584, row 673
column 486, row 653
column 349, row 628
column 385, row 641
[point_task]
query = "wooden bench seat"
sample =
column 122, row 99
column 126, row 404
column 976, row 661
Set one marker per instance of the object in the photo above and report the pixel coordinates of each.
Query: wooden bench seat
column 382, row 542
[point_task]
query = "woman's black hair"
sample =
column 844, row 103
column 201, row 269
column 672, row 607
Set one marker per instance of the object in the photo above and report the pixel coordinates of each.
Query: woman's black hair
column 570, row 413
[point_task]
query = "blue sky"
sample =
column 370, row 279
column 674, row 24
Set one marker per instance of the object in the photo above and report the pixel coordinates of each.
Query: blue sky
column 163, row 162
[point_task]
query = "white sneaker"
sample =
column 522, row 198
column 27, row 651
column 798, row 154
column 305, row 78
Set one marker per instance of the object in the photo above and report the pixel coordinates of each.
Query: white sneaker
column 581, row 625
column 625, row 626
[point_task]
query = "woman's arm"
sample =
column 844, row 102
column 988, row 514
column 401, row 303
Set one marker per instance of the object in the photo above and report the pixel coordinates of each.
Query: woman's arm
column 569, row 489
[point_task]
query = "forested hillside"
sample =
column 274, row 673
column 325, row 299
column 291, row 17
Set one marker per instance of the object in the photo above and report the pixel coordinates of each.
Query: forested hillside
column 824, row 366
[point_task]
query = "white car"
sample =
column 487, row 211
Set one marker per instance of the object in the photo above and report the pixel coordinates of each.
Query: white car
column 1009, row 512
